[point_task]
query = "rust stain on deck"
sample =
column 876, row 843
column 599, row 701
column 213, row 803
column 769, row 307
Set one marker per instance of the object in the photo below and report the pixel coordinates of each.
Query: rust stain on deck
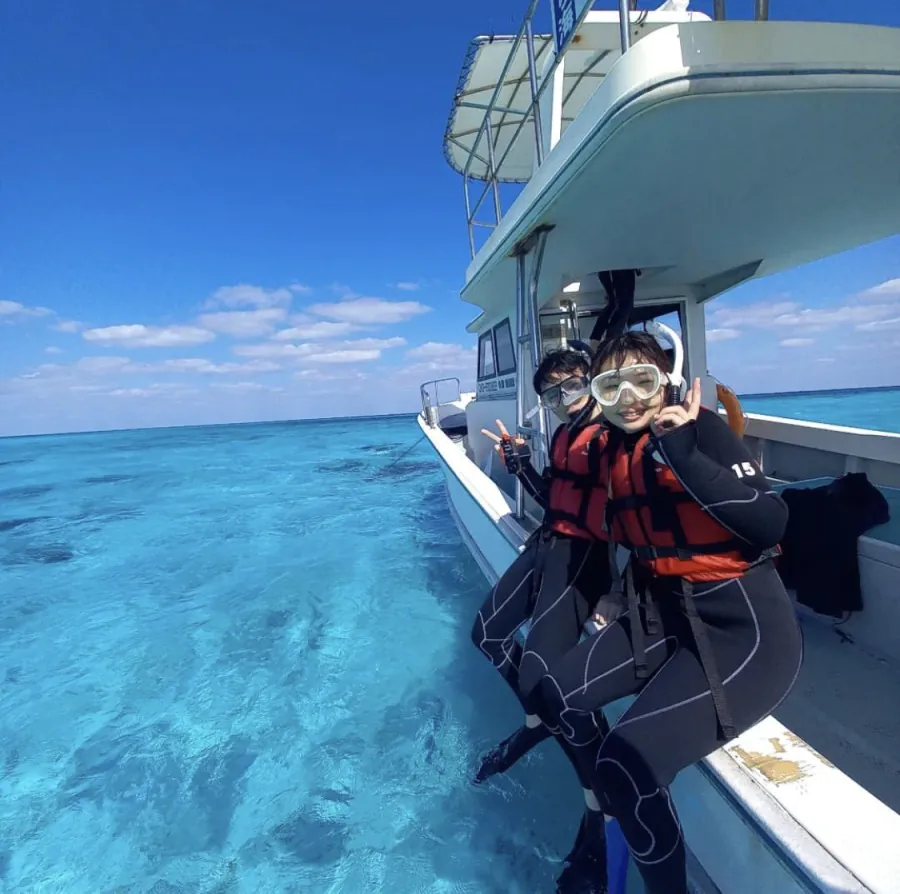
column 778, row 770
column 794, row 739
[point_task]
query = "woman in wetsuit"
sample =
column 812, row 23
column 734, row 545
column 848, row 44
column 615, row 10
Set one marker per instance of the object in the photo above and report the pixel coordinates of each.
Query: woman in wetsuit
column 554, row 583
column 705, row 635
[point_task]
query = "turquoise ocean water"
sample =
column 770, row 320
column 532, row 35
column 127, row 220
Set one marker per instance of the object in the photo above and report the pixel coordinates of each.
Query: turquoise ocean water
column 237, row 659
column 873, row 408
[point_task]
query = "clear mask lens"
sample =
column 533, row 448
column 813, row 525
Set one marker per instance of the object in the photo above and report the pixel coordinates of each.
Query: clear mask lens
column 643, row 381
column 565, row 393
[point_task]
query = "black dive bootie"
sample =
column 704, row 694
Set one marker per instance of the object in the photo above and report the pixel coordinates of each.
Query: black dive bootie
column 510, row 750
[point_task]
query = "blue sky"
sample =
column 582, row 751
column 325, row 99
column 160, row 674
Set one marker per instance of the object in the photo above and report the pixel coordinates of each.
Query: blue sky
column 223, row 211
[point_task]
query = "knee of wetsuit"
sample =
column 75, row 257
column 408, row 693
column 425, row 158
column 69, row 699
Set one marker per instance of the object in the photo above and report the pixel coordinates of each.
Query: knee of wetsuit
column 547, row 702
column 620, row 774
column 531, row 672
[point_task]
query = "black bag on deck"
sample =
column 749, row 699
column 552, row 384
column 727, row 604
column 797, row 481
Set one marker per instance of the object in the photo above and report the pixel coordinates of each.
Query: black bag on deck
column 819, row 550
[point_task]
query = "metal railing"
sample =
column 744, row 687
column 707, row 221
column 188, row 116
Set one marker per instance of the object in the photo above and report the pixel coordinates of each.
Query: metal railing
column 492, row 184
column 431, row 407
column 486, row 131
column 760, row 10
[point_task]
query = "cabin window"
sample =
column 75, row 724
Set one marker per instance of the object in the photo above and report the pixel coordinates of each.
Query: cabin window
column 506, row 355
column 487, row 369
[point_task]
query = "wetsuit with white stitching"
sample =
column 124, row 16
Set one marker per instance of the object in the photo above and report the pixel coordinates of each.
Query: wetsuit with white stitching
column 555, row 582
column 751, row 627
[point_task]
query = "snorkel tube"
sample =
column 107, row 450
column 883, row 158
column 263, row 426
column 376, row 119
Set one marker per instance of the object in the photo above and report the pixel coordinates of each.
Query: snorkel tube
column 676, row 378
column 587, row 410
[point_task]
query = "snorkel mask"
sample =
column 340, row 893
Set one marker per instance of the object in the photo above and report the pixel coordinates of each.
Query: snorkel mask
column 557, row 398
column 565, row 393
column 643, row 380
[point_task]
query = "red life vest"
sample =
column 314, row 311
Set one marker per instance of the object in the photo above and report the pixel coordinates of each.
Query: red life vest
column 577, row 503
column 650, row 513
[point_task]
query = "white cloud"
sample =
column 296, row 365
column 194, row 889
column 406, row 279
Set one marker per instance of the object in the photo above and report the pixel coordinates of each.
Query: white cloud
column 723, row 334
column 370, row 311
column 204, row 367
column 441, row 357
column 244, row 387
column 246, row 295
column 299, row 289
column 434, row 350
column 14, row 312
column 409, row 286
column 93, row 364
column 244, row 323
column 68, row 326
column 761, row 313
column 825, row 360
column 52, row 349
column 796, row 342
column 893, row 323
column 376, row 344
column 306, row 351
column 137, row 335
column 790, row 314
column 118, row 366
column 344, row 356
column 168, row 390
column 274, row 349
column 337, row 375
column 314, row 329
column 886, row 290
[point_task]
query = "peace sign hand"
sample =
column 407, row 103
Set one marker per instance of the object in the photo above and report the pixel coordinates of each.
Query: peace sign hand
column 504, row 436
column 670, row 418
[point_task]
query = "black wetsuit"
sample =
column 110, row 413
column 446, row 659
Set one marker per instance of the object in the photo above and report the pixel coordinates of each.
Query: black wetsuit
column 555, row 583
column 750, row 625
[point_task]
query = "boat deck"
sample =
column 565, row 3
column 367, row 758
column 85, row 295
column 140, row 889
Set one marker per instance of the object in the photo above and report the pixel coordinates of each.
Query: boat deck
column 844, row 702
column 844, row 705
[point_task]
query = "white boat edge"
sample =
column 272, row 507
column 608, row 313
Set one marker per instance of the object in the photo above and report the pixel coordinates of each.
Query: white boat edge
column 767, row 808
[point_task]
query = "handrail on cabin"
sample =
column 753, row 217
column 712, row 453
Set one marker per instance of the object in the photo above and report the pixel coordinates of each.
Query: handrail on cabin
column 532, row 111
column 492, row 184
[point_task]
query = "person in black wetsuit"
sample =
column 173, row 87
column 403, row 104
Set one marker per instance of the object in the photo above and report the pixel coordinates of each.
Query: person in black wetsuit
column 705, row 635
column 554, row 583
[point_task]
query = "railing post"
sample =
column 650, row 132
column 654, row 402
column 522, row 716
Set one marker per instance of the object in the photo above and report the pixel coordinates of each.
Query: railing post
column 533, row 316
column 719, row 10
column 762, row 10
column 532, row 80
column 520, row 366
column 469, row 215
column 625, row 25
column 489, row 133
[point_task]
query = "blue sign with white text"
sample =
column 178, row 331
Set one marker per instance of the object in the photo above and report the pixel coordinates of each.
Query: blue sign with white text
column 566, row 14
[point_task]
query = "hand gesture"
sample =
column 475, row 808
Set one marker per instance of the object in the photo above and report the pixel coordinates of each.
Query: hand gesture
column 670, row 418
column 504, row 436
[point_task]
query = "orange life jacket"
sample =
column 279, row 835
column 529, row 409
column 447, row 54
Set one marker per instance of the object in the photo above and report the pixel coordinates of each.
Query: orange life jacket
column 649, row 512
column 577, row 503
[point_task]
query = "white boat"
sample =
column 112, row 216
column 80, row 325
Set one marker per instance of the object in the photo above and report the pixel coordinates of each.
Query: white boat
column 704, row 153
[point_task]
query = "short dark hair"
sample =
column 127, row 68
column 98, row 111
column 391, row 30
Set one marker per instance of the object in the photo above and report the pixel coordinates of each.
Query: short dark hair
column 636, row 343
column 562, row 361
